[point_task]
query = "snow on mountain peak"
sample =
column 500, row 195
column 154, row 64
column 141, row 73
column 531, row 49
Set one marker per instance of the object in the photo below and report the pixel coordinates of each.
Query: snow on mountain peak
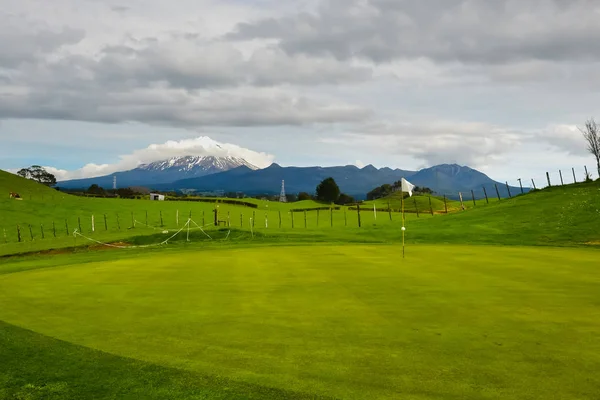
column 198, row 164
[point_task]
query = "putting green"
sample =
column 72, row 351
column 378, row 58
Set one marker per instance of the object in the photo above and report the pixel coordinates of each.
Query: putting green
column 344, row 321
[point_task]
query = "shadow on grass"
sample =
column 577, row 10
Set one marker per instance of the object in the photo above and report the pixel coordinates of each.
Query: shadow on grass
column 35, row 366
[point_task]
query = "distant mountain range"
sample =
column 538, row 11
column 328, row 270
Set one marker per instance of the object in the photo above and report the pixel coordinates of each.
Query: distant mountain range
column 166, row 171
column 210, row 174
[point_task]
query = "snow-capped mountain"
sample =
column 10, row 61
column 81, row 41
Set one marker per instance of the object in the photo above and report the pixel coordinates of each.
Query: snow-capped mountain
column 197, row 165
column 166, row 171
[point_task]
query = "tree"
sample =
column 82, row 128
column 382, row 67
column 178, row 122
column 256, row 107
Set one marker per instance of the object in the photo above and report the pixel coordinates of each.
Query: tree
column 304, row 196
column 328, row 191
column 591, row 133
column 125, row 193
column 345, row 199
column 38, row 174
column 95, row 189
column 379, row 192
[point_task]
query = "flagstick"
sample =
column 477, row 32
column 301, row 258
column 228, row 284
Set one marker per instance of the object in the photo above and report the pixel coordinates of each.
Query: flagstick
column 402, row 198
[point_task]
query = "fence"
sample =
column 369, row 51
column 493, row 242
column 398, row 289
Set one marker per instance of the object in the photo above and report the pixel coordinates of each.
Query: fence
column 171, row 217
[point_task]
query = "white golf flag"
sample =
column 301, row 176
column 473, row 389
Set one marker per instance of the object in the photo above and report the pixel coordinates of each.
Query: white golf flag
column 407, row 187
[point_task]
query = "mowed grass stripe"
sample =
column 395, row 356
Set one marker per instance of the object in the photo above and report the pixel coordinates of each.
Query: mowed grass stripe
column 341, row 321
column 35, row 366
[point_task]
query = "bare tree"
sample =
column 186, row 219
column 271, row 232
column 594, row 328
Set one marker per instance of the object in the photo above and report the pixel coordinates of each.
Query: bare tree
column 591, row 133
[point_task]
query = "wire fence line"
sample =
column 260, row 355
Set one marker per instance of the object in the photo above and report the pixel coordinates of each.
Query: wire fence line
column 355, row 215
column 524, row 184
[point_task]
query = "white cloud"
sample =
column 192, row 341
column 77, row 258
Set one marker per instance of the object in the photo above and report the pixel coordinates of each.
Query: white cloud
column 564, row 137
column 200, row 146
column 435, row 142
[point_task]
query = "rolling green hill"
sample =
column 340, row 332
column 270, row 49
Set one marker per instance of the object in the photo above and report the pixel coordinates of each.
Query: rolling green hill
column 558, row 216
column 564, row 215
column 25, row 187
column 414, row 203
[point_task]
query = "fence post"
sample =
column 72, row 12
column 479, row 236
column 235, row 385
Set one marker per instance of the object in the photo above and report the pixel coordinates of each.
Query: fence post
column 305, row 218
column 487, row 201
column 266, row 220
column 177, row 218
column 497, row 192
column 19, row 233
column 574, row 177
column 280, row 219
column 462, row 206
column 416, row 208
column 521, row 185
column 390, row 211
column 53, row 229
column 292, row 213
column 331, row 216
column 229, row 218
column 508, row 190
column 118, row 222
column 67, row 226
column 42, row 229
column 105, row 224
column 253, row 217
column 586, row 171
column 473, row 196
column 445, row 204
column 161, row 219
column 79, row 224
column 93, row 224
column 358, row 211
column 345, row 218
column 532, row 181
column 242, row 220
column 147, row 217
column 548, row 177
column 203, row 217
column 430, row 206
column 30, row 232
column 561, row 179
column 133, row 221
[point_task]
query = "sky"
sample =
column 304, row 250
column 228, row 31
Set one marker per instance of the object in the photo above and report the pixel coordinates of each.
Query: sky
column 89, row 87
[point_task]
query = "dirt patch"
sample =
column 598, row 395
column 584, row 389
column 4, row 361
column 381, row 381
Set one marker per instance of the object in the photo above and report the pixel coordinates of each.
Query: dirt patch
column 119, row 245
column 67, row 250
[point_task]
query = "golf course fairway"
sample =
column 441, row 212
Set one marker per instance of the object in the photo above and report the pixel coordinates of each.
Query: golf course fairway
column 339, row 321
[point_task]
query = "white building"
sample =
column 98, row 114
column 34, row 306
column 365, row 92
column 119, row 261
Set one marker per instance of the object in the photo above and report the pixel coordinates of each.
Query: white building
column 156, row 196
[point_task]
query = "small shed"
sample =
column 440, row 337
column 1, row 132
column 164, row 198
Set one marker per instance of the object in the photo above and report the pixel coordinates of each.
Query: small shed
column 156, row 196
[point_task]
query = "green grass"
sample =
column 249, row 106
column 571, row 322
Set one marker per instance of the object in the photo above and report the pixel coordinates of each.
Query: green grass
column 301, row 309
column 450, row 322
column 39, row 367
column 563, row 216
column 415, row 203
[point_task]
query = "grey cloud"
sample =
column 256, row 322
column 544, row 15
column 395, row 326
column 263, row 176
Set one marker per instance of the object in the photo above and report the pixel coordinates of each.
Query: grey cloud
column 566, row 138
column 438, row 142
column 174, row 107
column 120, row 8
column 469, row 31
column 22, row 40
column 189, row 63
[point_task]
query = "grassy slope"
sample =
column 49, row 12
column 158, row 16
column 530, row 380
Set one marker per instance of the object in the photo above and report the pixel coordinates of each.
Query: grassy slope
column 417, row 202
column 53, row 212
column 360, row 324
column 563, row 216
column 557, row 216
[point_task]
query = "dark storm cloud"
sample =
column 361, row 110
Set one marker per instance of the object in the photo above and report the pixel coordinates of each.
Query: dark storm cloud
column 469, row 31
